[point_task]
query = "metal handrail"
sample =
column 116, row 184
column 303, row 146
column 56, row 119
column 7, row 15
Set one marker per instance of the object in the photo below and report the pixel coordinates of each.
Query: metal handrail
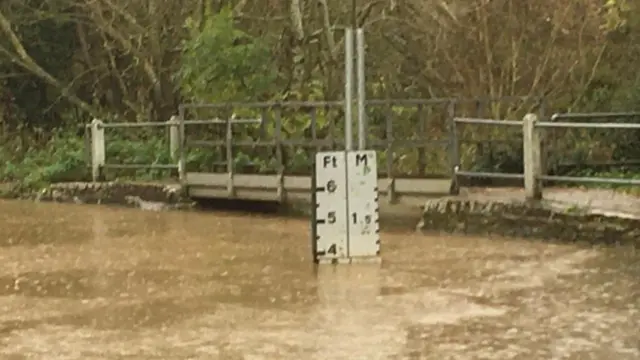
column 462, row 120
column 582, row 125
column 602, row 115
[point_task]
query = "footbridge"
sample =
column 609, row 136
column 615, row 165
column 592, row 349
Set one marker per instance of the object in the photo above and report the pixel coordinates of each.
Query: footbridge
column 264, row 151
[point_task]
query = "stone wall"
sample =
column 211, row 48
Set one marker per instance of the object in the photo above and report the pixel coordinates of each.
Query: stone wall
column 539, row 220
column 144, row 195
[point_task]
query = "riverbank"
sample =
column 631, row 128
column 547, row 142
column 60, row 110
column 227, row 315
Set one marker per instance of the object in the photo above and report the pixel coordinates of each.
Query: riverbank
column 584, row 215
column 149, row 196
column 593, row 215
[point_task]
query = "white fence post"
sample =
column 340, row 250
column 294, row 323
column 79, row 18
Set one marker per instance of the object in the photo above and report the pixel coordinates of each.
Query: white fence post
column 174, row 138
column 532, row 157
column 98, row 150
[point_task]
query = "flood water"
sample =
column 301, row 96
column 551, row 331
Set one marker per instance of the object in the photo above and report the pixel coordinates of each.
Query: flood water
column 85, row 282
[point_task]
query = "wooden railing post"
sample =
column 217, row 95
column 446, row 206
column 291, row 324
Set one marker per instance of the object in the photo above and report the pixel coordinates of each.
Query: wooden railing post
column 98, row 149
column 391, row 191
column 532, row 157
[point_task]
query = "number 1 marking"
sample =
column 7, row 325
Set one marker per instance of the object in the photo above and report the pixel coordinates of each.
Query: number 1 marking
column 367, row 218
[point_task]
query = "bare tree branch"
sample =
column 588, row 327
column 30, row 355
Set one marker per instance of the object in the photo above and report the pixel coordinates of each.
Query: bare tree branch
column 22, row 58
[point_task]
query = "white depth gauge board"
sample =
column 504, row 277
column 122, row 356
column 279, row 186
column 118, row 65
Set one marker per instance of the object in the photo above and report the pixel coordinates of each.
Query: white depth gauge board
column 345, row 224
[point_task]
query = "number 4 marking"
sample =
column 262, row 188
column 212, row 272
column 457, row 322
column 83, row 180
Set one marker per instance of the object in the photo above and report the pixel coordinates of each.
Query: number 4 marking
column 332, row 249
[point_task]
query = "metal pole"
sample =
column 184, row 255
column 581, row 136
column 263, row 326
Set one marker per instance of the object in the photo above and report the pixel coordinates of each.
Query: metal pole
column 348, row 89
column 362, row 116
column 354, row 16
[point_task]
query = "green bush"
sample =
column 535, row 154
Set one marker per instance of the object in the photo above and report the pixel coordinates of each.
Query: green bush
column 60, row 158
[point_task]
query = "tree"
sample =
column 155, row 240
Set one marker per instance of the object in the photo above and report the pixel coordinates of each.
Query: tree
column 498, row 48
column 49, row 43
column 223, row 63
column 122, row 57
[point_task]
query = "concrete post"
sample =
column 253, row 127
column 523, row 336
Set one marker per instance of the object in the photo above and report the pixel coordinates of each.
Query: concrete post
column 532, row 157
column 174, row 138
column 98, row 150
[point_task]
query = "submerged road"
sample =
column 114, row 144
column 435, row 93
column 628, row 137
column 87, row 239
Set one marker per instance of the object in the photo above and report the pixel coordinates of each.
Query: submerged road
column 90, row 282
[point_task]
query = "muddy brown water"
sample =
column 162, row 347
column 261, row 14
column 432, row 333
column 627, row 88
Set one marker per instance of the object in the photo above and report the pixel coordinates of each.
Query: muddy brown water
column 89, row 282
